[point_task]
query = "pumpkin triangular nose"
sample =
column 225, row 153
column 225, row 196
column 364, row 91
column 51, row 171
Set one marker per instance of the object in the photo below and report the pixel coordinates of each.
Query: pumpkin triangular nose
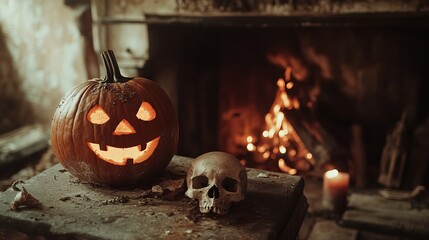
column 124, row 128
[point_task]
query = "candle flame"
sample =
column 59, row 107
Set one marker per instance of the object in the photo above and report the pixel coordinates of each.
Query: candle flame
column 332, row 173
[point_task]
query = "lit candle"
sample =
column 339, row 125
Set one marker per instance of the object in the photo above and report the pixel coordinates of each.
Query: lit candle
column 335, row 190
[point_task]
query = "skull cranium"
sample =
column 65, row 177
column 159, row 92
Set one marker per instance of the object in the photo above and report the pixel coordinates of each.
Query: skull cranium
column 216, row 179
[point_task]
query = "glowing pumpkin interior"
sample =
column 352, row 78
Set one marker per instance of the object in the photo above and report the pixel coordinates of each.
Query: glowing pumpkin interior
column 120, row 156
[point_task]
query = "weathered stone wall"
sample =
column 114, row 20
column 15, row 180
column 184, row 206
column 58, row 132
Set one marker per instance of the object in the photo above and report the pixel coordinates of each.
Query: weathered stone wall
column 41, row 57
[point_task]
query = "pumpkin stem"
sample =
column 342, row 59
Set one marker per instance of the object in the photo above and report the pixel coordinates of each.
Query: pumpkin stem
column 109, row 71
column 117, row 77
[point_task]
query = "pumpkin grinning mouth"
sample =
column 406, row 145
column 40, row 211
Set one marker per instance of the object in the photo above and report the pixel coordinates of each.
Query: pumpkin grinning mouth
column 120, row 156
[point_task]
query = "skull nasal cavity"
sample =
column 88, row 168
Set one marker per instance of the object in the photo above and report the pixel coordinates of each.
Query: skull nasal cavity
column 213, row 192
column 124, row 128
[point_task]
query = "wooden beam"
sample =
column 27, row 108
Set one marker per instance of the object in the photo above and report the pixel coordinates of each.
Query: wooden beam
column 21, row 143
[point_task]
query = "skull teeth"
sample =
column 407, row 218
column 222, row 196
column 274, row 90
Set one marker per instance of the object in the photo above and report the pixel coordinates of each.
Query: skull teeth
column 217, row 210
column 205, row 209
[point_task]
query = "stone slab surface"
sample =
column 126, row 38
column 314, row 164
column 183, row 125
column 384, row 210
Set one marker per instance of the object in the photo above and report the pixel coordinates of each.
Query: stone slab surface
column 373, row 212
column 71, row 208
column 328, row 230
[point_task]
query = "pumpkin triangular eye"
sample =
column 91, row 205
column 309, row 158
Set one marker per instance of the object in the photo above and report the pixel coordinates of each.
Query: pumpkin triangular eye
column 124, row 128
column 97, row 115
column 146, row 112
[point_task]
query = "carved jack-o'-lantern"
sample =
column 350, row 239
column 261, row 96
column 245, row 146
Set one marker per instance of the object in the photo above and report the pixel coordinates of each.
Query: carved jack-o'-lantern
column 115, row 130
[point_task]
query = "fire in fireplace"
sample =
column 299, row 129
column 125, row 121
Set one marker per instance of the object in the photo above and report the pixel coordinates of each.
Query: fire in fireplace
column 278, row 141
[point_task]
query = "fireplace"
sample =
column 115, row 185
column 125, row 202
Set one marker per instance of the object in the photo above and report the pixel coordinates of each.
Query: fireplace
column 353, row 84
column 350, row 70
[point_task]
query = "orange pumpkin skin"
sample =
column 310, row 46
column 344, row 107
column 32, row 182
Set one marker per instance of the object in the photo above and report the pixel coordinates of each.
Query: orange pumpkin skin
column 72, row 132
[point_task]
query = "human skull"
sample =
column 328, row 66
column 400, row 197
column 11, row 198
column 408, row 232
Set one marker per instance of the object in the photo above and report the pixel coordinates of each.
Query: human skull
column 216, row 179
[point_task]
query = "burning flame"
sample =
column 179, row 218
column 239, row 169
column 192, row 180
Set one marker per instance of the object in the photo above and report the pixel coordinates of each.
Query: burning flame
column 250, row 146
column 285, row 168
column 279, row 140
column 332, row 173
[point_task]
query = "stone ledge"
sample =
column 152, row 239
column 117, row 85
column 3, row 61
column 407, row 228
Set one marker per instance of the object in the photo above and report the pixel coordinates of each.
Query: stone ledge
column 75, row 209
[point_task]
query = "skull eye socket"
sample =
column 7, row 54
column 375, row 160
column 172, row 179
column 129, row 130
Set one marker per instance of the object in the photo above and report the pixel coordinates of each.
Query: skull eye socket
column 200, row 182
column 146, row 112
column 230, row 185
column 97, row 115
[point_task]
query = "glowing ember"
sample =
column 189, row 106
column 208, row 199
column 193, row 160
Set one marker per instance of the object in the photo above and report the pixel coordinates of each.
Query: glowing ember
column 281, row 83
column 266, row 155
column 285, row 99
column 271, row 133
column 250, row 147
column 295, row 103
column 285, row 168
column 288, row 73
column 265, row 133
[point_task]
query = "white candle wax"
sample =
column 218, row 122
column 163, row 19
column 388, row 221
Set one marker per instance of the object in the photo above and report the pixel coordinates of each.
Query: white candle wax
column 335, row 190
